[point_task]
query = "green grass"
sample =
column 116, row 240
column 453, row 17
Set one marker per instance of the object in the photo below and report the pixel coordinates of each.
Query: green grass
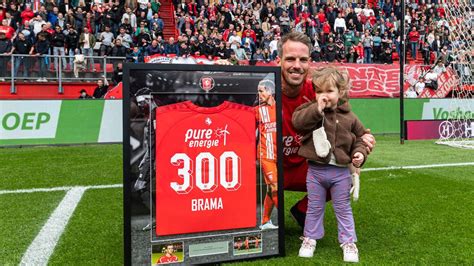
column 20, row 221
column 60, row 166
column 94, row 234
column 422, row 216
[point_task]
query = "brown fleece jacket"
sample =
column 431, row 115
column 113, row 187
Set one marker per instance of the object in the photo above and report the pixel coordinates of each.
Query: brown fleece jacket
column 343, row 129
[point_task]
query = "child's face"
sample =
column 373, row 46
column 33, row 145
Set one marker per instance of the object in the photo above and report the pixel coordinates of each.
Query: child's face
column 330, row 94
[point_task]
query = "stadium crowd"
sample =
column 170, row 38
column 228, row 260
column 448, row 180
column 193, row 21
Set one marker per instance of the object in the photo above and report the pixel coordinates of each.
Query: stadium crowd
column 364, row 31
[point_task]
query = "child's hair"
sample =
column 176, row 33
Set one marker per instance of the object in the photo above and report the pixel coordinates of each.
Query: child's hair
column 332, row 76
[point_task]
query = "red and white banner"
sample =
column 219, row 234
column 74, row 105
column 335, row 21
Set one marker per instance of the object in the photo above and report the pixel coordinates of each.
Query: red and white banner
column 368, row 80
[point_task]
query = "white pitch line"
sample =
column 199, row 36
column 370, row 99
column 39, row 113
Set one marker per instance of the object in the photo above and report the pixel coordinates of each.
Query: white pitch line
column 417, row 166
column 32, row 190
column 43, row 245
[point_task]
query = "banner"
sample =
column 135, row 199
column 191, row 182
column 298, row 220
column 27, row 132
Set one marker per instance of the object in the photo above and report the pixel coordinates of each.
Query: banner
column 29, row 119
column 40, row 122
column 371, row 80
column 446, row 81
column 439, row 129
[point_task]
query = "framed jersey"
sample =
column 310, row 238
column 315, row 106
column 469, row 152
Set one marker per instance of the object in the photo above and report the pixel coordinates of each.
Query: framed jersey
column 201, row 163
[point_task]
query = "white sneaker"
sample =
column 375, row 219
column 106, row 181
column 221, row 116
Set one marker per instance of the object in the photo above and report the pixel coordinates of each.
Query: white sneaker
column 2, row 79
column 39, row 80
column 268, row 225
column 350, row 251
column 45, row 80
column 307, row 247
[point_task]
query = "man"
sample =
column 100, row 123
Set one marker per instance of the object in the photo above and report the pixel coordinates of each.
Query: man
column 57, row 41
column 107, row 39
column 9, row 31
column 5, row 52
column 294, row 58
column 21, row 47
column 266, row 117
column 168, row 257
column 87, row 42
column 101, row 89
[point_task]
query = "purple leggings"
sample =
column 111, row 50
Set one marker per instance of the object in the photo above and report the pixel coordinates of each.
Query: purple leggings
column 319, row 179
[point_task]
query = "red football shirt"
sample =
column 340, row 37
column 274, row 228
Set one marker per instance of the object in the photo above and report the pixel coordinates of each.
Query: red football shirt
column 205, row 168
column 291, row 139
column 165, row 259
column 294, row 166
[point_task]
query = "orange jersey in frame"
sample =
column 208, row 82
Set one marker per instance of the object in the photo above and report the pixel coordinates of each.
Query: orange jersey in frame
column 266, row 117
column 205, row 168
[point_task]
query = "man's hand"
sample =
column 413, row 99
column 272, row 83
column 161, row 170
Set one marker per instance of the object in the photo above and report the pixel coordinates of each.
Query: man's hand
column 357, row 159
column 369, row 141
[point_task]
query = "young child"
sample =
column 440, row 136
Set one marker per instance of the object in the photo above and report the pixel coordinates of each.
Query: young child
column 331, row 142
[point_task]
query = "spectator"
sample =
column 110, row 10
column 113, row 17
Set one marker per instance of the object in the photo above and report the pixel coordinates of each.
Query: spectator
column 367, row 43
column 136, row 55
column 340, row 25
column 377, row 47
column 41, row 49
column 171, row 47
column 87, row 43
column 420, row 85
column 58, row 41
column 101, row 89
column 233, row 59
column 258, row 55
column 72, row 43
column 21, row 46
column 84, row 95
column 5, row 52
column 125, row 38
column 183, row 50
column 79, row 62
column 386, row 57
column 9, row 31
column 155, row 48
column 130, row 17
column 118, row 74
column 106, row 38
column 240, row 53
column 414, row 38
column 118, row 50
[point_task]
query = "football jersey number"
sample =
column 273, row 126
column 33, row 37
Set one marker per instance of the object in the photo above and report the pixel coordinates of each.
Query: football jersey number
column 229, row 163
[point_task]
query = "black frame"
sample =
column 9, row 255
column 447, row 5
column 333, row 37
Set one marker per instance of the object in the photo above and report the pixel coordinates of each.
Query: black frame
column 127, row 193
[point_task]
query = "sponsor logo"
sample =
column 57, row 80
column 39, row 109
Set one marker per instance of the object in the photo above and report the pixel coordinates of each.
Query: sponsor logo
column 29, row 119
column 445, row 130
column 206, row 137
column 443, row 109
column 206, row 83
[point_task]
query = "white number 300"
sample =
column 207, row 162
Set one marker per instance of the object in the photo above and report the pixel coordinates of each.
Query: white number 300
column 229, row 163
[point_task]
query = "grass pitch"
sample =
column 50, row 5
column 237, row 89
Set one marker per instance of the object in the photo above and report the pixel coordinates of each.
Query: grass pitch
column 411, row 216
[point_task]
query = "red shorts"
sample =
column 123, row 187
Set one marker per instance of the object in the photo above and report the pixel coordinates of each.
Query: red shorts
column 270, row 172
column 294, row 178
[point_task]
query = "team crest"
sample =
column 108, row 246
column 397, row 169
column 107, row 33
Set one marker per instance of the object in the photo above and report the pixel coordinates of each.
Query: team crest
column 206, row 83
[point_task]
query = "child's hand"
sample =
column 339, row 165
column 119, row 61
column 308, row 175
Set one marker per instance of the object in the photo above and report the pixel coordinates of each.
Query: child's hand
column 322, row 103
column 358, row 159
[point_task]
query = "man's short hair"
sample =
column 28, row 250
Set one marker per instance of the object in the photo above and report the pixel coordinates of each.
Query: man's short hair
column 294, row 36
column 268, row 84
